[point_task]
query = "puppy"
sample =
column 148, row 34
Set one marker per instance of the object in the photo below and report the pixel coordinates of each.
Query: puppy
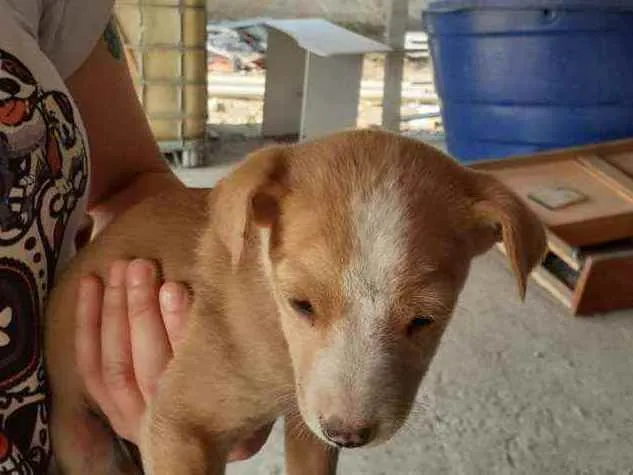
column 323, row 277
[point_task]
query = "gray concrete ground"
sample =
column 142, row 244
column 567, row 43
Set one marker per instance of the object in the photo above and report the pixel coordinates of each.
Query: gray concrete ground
column 516, row 388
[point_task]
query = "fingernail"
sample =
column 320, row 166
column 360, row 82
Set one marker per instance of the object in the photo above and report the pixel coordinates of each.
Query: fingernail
column 172, row 297
column 140, row 272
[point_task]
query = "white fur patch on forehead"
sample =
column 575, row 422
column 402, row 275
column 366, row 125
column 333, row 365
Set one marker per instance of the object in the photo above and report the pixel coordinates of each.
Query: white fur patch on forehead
column 379, row 225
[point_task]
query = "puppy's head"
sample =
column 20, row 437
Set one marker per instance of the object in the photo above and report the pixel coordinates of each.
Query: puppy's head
column 367, row 239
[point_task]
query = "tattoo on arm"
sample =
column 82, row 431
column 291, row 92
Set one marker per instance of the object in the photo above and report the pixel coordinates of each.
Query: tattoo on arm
column 112, row 40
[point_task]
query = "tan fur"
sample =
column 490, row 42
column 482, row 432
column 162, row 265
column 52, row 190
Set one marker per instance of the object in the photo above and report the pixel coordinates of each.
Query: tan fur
column 282, row 227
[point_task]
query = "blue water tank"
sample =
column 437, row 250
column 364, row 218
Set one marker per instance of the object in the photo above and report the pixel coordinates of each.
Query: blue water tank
column 520, row 76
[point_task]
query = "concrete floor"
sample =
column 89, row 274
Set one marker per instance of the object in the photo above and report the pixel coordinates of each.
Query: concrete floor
column 516, row 388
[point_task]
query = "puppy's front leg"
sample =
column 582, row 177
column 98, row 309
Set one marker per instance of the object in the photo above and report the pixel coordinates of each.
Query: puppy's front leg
column 177, row 448
column 305, row 453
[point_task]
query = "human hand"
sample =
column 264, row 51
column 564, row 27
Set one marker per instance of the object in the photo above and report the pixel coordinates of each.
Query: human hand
column 126, row 332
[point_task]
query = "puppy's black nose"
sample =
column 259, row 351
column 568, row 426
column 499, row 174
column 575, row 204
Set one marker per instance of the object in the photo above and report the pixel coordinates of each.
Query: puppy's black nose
column 347, row 436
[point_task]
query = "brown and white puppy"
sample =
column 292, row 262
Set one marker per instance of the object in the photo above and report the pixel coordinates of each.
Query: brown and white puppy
column 324, row 276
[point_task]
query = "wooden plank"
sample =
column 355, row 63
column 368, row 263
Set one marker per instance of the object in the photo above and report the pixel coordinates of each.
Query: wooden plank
column 564, row 251
column 622, row 161
column 553, row 285
column 605, row 285
column 603, row 149
column 612, row 176
column 510, row 163
column 597, row 230
column 611, row 254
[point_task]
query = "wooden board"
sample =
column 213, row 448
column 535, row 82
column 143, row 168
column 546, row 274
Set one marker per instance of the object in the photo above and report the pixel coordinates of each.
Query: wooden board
column 611, row 149
column 589, row 267
column 601, row 283
column 605, row 285
column 606, row 215
column 554, row 286
column 621, row 161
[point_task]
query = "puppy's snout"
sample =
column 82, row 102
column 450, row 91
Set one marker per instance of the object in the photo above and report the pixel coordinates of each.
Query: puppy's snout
column 347, row 435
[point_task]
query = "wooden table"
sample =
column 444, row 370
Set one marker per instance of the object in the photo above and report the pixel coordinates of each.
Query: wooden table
column 589, row 267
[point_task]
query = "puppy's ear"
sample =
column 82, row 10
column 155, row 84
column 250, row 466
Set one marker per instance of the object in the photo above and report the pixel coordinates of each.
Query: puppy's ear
column 250, row 194
column 500, row 215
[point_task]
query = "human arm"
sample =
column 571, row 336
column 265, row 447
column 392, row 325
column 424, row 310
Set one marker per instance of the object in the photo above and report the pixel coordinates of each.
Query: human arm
column 126, row 165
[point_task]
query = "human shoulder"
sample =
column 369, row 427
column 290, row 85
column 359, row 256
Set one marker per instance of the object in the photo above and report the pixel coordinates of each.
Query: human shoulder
column 66, row 30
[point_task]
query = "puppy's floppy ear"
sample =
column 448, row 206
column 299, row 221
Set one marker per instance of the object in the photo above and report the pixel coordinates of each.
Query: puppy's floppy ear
column 500, row 215
column 250, row 194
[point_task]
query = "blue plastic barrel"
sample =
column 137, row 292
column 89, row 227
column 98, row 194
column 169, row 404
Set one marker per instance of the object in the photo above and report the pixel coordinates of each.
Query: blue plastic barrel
column 520, row 76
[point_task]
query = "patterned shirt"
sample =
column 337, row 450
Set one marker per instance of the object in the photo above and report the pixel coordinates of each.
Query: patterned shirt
column 44, row 175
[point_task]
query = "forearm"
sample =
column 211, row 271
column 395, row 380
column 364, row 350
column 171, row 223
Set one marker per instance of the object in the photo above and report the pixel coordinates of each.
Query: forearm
column 125, row 159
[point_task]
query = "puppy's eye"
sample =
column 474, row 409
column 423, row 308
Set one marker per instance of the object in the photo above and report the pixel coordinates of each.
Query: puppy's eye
column 419, row 322
column 302, row 307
